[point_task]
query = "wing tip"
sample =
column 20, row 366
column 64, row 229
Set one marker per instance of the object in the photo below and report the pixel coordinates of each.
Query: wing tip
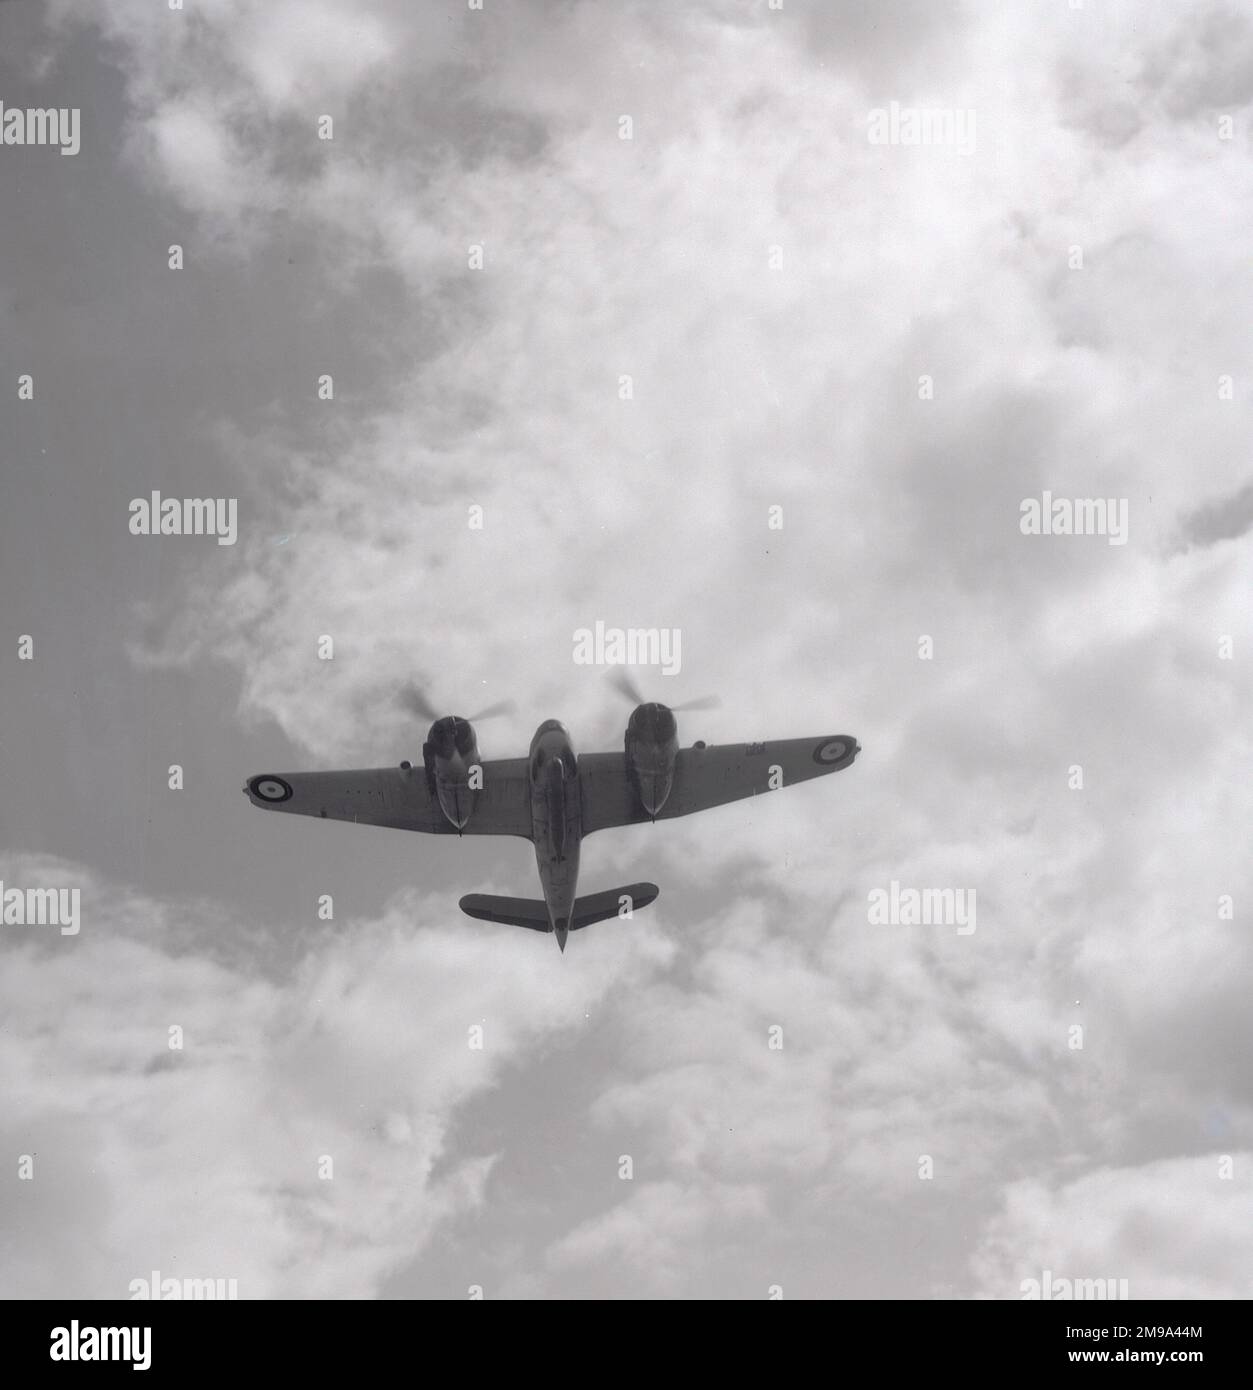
column 268, row 789
column 836, row 752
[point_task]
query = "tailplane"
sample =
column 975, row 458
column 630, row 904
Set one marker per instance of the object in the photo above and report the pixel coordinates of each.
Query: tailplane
column 533, row 913
column 613, row 902
column 514, row 912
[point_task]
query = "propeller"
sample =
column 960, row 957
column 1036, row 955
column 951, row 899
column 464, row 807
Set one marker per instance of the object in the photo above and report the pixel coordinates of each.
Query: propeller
column 495, row 711
column 415, row 700
column 702, row 702
column 624, row 685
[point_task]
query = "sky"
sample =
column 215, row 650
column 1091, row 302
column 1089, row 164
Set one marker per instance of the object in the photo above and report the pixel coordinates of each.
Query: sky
column 636, row 356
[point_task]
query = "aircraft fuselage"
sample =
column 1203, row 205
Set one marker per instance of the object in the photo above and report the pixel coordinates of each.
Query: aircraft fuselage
column 557, row 818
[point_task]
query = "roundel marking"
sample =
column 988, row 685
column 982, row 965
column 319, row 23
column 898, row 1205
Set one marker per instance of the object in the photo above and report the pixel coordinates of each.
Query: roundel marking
column 830, row 750
column 271, row 788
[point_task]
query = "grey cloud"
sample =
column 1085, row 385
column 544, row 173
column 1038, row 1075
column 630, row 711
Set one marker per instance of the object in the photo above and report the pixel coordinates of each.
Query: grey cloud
column 1223, row 520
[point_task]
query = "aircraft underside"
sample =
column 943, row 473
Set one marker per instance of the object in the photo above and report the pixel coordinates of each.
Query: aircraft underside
column 554, row 799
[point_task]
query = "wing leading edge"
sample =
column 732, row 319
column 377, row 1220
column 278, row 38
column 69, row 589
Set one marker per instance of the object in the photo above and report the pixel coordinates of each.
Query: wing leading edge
column 703, row 778
column 708, row 777
column 398, row 798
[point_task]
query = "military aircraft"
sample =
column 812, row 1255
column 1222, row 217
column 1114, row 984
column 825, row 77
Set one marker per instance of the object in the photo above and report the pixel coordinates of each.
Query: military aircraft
column 553, row 797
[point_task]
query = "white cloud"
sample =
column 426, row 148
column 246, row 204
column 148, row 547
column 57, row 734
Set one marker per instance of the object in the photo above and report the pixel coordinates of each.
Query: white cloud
column 1171, row 1229
column 204, row 1161
column 652, row 1230
column 752, row 386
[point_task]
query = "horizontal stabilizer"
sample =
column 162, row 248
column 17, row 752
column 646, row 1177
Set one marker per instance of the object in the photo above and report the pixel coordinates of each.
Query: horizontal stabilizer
column 532, row 913
column 514, row 912
column 614, row 902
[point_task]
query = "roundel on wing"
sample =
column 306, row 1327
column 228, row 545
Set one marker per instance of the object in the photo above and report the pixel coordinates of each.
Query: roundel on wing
column 270, row 788
column 831, row 750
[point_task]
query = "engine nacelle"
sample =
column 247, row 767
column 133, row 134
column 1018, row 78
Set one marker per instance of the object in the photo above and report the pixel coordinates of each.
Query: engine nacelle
column 453, row 771
column 652, row 743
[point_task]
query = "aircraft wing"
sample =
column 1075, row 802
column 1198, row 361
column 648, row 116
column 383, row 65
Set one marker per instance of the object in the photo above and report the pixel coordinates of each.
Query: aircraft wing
column 705, row 777
column 399, row 798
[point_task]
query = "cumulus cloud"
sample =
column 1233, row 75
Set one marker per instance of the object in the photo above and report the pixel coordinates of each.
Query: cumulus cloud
column 1171, row 1229
column 651, row 1232
column 749, row 304
column 297, row 1138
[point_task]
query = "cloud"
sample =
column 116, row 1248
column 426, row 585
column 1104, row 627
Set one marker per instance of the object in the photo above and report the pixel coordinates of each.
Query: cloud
column 629, row 382
column 1172, row 1229
column 1223, row 520
column 208, row 1161
column 651, row 1232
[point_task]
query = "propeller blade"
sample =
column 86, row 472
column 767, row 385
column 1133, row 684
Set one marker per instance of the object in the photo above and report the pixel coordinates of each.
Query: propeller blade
column 626, row 686
column 494, row 711
column 705, row 702
column 415, row 701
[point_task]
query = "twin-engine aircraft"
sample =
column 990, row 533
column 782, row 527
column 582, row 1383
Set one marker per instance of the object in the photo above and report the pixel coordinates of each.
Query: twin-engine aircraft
column 553, row 798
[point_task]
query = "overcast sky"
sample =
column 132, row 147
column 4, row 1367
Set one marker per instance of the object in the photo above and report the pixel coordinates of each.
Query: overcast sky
column 896, row 344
